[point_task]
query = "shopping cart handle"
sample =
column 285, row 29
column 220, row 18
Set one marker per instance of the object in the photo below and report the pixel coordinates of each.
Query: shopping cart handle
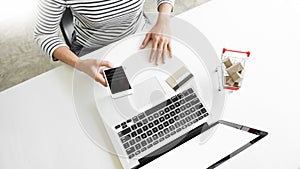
column 224, row 50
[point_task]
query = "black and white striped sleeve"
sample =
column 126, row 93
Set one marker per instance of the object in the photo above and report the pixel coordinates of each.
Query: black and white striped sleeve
column 165, row 1
column 47, row 24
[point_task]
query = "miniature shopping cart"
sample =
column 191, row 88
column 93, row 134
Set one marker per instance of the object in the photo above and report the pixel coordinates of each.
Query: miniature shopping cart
column 233, row 68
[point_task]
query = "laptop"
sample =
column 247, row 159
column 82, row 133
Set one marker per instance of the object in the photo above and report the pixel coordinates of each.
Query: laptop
column 141, row 137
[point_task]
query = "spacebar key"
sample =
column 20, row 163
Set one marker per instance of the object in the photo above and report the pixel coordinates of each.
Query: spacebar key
column 157, row 107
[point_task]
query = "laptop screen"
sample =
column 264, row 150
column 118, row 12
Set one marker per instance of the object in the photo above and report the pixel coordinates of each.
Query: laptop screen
column 196, row 154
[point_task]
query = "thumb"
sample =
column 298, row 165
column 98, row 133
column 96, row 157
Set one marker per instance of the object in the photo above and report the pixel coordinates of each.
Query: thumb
column 99, row 78
column 146, row 40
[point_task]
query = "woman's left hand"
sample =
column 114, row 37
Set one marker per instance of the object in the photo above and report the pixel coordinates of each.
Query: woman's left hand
column 161, row 41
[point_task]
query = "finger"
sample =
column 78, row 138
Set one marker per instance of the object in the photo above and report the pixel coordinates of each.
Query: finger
column 164, row 53
column 146, row 40
column 153, row 50
column 160, row 51
column 105, row 63
column 170, row 50
column 100, row 79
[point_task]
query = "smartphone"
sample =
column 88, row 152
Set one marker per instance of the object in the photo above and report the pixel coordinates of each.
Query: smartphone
column 117, row 81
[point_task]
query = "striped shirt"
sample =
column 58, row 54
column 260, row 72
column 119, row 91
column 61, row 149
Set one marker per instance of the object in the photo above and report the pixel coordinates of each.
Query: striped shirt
column 96, row 22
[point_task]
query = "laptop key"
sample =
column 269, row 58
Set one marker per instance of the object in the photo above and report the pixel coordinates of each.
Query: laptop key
column 173, row 132
column 126, row 145
column 149, row 140
column 174, row 99
column 177, row 124
column 167, row 136
column 154, row 129
column 182, row 101
column 150, row 118
column 166, row 124
column 177, row 110
column 131, row 142
column 131, row 156
column 117, row 126
column 139, row 131
column 138, row 146
column 185, row 93
column 156, row 122
column 161, row 139
column 149, row 133
column 203, row 110
column 150, row 125
column 193, row 109
column 149, row 146
column 172, row 113
column 143, row 143
column 155, row 142
column 199, row 106
column 195, row 101
column 133, row 127
column 171, row 121
column 191, row 90
column 124, row 132
column 177, row 104
column 141, row 116
column 137, row 152
column 144, row 135
column 133, row 134
column 182, row 108
column 160, row 133
column 138, row 138
column 167, row 109
column 171, row 128
column 139, row 124
column 166, row 130
column 145, row 128
column 167, row 116
column 145, row 121
column 130, row 150
column 155, row 137
column 161, row 119
column 172, row 107
column 125, row 138
column 161, row 112
column 176, row 118
column 143, row 149
column 135, row 119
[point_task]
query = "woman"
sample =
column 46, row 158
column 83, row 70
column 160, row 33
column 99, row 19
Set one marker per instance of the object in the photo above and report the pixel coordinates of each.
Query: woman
column 97, row 24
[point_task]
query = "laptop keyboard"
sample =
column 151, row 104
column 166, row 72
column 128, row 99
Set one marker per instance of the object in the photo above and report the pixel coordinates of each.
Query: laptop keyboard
column 160, row 122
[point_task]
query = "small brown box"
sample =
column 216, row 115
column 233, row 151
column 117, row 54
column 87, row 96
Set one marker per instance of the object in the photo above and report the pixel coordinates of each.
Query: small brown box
column 236, row 77
column 235, row 68
column 229, row 81
column 227, row 62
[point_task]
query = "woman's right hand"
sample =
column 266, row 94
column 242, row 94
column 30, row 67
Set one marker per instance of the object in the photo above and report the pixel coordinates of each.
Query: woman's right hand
column 93, row 68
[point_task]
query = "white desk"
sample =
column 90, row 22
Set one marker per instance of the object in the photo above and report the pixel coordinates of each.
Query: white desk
column 39, row 127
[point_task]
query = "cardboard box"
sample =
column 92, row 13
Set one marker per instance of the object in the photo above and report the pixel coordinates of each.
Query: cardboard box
column 236, row 77
column 227, row 62
column 236, row 67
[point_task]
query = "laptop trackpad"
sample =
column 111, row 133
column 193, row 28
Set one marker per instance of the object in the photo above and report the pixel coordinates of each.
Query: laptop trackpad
column 147, row 94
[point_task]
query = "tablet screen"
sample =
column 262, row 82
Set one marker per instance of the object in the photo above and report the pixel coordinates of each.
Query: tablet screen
column 196, row 154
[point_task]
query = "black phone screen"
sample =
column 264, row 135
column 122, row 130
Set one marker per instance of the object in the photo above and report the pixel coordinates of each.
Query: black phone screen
column 117, row 80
